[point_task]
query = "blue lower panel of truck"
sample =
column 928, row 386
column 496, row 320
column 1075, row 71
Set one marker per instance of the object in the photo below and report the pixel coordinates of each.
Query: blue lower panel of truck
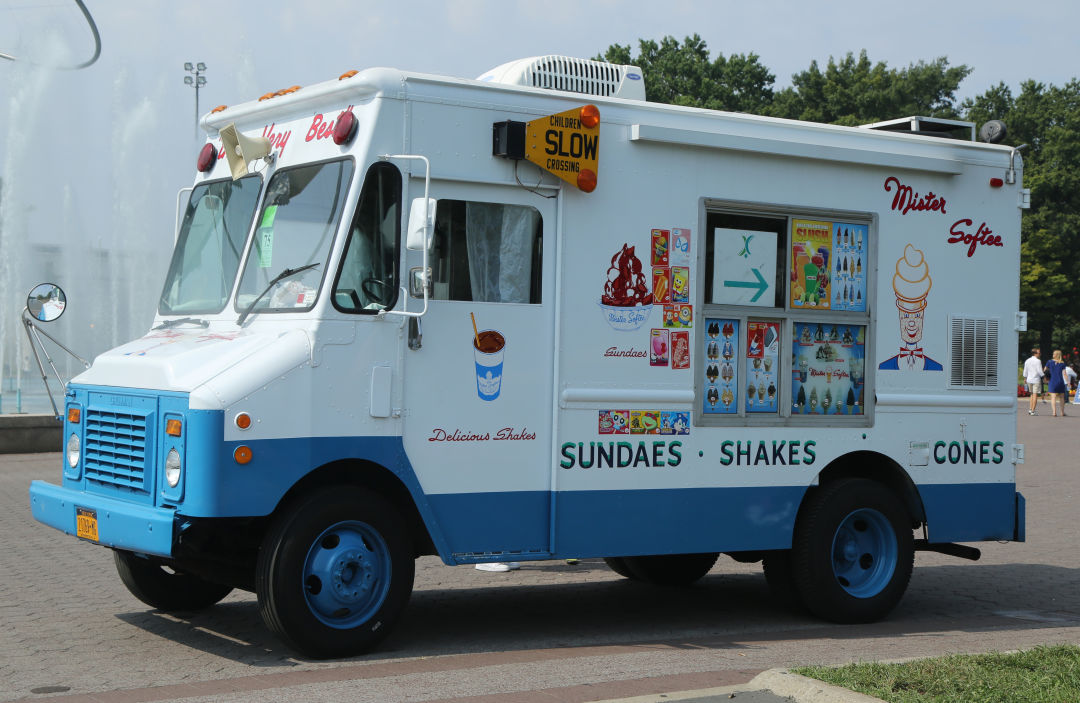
column 120, row 523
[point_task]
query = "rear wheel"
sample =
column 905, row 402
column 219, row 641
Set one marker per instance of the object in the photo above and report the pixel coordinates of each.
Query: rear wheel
column 163, row 588
column 670, row 569
column 781, row 578
column 853, row 552
column 618, row 565
column 335, row 572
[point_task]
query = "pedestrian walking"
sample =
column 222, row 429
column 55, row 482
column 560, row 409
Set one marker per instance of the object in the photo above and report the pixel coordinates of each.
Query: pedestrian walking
column 1057, row 382
column 1033, row 376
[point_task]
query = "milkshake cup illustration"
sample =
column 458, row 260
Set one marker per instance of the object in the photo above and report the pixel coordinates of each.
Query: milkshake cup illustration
column 488, row 347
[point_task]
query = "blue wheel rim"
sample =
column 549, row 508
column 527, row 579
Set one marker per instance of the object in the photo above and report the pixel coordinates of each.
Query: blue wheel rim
column 347, row 574
column 864, row 553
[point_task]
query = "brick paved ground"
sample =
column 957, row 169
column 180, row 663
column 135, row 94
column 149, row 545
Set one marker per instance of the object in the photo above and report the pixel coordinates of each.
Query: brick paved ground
column 570, row 633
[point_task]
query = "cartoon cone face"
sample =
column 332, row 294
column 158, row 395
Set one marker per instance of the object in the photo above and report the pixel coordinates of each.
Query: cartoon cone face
column 911, row 283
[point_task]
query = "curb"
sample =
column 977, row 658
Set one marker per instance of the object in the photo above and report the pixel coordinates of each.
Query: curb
column 804, row 689
column 779, row 682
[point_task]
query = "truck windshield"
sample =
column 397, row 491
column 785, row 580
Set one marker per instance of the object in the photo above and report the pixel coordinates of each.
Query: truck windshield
column 209, row 246
column 294, row 230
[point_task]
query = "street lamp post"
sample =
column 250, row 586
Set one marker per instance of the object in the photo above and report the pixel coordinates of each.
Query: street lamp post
column 196, row 81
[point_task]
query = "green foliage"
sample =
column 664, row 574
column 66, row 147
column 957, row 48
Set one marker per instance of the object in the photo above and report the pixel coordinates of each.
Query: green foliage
column 1047, row 119
column 854, row 91
column 1047, row 674
column 683, row 74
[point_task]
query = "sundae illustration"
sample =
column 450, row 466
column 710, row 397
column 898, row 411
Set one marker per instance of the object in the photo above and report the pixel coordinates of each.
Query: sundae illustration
column 911, row 284
column 627, row 300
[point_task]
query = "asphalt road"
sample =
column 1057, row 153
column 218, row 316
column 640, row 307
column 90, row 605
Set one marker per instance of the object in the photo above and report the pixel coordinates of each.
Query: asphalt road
column 550, row 632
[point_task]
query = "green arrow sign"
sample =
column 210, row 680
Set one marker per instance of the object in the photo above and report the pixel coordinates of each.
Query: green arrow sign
column 762, row 285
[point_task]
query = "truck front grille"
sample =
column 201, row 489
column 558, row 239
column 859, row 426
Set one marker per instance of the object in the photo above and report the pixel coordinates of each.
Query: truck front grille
column 116, row 448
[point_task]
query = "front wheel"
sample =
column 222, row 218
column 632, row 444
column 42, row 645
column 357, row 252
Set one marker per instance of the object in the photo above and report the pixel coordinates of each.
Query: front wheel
column 853, row 552
column 163, row 588
column 335, row 572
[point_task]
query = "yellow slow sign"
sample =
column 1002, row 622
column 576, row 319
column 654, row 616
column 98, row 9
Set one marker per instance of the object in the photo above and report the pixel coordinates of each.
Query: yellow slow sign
column 566, row 145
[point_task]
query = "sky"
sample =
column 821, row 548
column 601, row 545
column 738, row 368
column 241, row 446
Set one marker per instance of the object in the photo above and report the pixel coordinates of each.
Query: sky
column 92, row 159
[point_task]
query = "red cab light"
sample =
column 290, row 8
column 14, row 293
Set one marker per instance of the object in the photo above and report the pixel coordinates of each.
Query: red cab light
column 345, row 128
column 207, row 158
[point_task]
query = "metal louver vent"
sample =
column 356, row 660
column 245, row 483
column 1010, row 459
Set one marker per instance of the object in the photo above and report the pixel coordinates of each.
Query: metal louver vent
column 974, row 346
column 572, row 75
column 575, row 75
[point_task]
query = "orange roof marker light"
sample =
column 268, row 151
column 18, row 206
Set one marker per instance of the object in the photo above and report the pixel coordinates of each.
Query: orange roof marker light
column 283, row 91
column 347, row 74
column 219, row 108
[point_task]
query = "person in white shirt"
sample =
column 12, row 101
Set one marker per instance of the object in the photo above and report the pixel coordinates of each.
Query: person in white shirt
column 1033, row 375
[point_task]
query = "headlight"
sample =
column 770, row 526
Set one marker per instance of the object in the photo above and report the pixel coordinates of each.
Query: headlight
column 73, row 450
column 172, row 467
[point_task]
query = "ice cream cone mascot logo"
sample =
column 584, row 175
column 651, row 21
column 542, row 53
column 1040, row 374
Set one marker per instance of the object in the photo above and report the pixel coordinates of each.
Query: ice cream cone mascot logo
column 911, row 284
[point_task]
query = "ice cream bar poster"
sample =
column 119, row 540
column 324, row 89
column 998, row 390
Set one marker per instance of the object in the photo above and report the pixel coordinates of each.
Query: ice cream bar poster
column 762, row 355
column 721, row 367
column 848, row 278
column 828, row 368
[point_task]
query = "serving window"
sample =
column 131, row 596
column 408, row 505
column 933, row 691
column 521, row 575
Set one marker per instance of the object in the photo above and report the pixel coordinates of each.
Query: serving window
column 785, row 320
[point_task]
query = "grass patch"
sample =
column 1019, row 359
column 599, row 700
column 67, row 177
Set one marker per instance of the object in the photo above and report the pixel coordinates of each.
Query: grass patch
column 1046, row 674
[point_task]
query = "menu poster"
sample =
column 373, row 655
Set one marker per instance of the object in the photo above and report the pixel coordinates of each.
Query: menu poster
column 762, row 357
column 721, row 367
column 828, row 369
column 811, row 251
column 849, row 266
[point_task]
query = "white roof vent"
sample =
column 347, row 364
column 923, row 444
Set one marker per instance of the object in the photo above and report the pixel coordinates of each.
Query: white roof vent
column 572, row 75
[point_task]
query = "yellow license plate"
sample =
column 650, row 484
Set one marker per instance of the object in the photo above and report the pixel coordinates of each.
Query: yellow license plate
column 86, row 523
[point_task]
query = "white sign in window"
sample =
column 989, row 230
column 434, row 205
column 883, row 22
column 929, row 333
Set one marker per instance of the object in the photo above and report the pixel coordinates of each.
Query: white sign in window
column 744, row 267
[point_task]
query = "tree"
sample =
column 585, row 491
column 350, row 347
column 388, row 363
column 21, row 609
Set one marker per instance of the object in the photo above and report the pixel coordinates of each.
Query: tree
column 854, row 91
column 1047, row 119
column 683, row 74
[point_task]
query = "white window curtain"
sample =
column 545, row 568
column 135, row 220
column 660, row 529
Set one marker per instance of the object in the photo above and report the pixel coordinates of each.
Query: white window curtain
column 499, row 239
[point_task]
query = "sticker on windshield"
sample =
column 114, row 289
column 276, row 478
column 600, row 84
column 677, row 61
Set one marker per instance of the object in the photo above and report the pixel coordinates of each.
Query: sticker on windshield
column 264, row 242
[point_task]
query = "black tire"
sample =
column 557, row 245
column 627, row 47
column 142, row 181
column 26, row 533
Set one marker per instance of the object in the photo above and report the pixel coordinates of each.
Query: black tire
column 670, row 569
column 780, row 577
column 165, row 589
column 853, row 551
column 618, row 565
column 335, row 572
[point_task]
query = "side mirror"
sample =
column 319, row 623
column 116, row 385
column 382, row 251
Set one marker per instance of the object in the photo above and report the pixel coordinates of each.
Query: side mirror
column 421, row 224
column 46, row 302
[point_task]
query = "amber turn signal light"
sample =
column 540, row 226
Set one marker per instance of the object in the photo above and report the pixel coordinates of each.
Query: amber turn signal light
column 173, row 427
column 73, row 415
column 590, row 116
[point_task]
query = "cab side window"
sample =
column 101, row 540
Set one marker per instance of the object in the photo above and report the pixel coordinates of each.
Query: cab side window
column 487, row 252
column 368, row 279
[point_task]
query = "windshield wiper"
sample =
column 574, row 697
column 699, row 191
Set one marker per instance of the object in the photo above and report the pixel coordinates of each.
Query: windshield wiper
column 281, row 276
column 169, row 324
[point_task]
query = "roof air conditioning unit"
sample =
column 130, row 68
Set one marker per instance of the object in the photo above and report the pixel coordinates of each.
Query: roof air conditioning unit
column 571, row 75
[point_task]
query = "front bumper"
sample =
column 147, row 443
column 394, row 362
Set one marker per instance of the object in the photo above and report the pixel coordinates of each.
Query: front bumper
column 121, row 524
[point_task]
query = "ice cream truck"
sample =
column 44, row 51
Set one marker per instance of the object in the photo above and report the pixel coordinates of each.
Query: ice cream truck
column 534, row 317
